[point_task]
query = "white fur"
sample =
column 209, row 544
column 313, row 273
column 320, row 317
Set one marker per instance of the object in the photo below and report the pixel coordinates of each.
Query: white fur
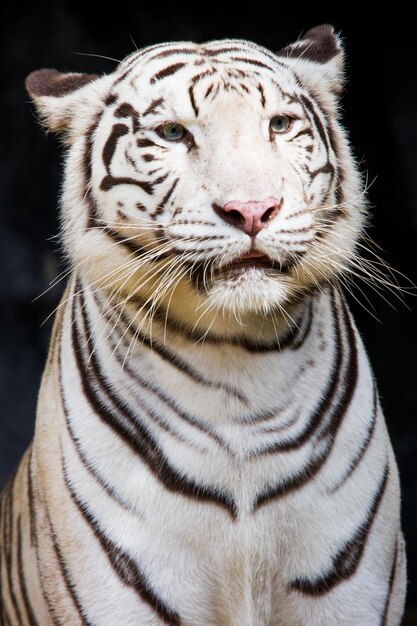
column 206, row 566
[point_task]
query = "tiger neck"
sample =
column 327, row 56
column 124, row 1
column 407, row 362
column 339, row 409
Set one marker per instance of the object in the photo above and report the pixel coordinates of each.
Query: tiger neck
column 185, row 312
column 218, row 379
column 135, row 321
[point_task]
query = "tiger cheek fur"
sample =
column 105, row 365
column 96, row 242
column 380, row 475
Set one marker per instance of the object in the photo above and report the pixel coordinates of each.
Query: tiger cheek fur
column 209, row 445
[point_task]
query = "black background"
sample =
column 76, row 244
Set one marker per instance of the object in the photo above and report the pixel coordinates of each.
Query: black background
column 380, row 111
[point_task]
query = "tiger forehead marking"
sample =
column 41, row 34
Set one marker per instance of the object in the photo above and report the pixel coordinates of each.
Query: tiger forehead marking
column 212, row 69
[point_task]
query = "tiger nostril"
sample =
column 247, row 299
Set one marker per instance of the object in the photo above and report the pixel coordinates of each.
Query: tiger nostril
column 236, row 217
column 233, row 217
column 269, row 213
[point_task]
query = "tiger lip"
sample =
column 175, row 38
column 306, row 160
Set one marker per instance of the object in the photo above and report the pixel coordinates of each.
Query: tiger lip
column 253, row 254
column 252, row 259
column 256, row 259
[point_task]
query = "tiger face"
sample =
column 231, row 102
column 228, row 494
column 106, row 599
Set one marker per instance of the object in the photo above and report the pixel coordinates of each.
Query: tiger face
column 214, row 176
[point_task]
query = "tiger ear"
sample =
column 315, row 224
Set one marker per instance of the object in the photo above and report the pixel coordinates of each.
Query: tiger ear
column 59, row 96
column 317, row 58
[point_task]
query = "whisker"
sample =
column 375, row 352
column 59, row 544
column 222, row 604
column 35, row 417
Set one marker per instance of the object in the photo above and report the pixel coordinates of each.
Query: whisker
column 97, row 56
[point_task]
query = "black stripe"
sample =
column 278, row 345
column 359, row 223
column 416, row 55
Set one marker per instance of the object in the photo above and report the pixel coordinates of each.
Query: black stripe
column 327, row 168
column 93, row 212
column 146, row 143
column 291, row 231
column 167, row 71
column 201, row 75
column 52, row 609
column 198, row 251
column 290, row 97
column 132, row 246
column 110, row 99
column 5, row 619
column 129, row 66
column 340, row 179
column 325, row 421
column 132, row 162
column 190, row 221
column 69, row 584
column 111, row 491
column 262, row 93
column 384, row 616
column 309, row 106
column 199, row 238
column 266, row 53
column 209, row 90
column 365, row 444
column 347, row 560
column 303, row 327
column 192, row 100
column 125, row 74
column 304, row 131
column 173, row 51
column 131, row 429
column 9, row 544
column 165, row 199
column 212, row 52
column 154, row 105
column 127, row 110
column 109, row 182
column 160, row 180
column 30, row 615
column 118, row 130
column 253, row 62
column 124, row 564
column 31, row 500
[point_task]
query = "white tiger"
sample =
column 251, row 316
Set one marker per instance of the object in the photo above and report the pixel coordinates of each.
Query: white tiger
column 209, row 445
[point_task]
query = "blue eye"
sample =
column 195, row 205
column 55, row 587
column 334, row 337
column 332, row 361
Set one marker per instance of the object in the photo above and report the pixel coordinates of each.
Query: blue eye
column 171, row 131
column 280, row 123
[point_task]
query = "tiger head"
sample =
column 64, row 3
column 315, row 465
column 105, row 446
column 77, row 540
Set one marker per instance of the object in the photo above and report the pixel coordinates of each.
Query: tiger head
column 208, row 177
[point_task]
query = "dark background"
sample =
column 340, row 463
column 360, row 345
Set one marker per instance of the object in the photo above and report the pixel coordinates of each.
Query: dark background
column 380, row 111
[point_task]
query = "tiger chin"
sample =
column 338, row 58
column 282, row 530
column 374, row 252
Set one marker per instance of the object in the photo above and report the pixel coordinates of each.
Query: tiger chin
column 209, row 445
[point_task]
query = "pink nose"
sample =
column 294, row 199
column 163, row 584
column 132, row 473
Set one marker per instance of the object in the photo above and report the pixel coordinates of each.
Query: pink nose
column 252, row 216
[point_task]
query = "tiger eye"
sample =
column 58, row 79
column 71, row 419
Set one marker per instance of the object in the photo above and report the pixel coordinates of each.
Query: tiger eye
column 280, row 123
column 172, row 131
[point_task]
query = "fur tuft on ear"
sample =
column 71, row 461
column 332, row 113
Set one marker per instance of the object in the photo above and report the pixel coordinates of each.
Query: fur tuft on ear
column 317, row 57
column 318, row 45
column 56, row 95
column 54, row 83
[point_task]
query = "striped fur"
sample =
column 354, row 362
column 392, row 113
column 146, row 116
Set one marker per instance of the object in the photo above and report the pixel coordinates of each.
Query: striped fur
column 209, row 445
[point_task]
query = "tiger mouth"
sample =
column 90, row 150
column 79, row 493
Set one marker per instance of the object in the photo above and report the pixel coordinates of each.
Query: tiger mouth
column 243, row 263
column 236, row 269
column 254, row 262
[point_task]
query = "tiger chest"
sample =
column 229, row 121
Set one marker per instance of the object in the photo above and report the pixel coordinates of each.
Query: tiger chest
column 224, row 570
